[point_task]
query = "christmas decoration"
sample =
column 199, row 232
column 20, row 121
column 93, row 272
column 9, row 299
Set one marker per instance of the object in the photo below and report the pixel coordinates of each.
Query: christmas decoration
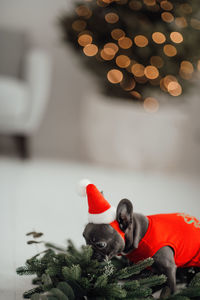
column 137, row 44
column 99, row 210
column 72, row 274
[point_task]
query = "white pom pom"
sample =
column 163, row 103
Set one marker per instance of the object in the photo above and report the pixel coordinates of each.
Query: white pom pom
column 82, row 187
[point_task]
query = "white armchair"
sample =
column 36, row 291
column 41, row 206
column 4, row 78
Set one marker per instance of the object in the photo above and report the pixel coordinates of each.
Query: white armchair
column 23, row 101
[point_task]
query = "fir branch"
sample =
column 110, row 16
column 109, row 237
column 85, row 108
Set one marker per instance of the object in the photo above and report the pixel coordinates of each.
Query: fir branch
column 139, row 298
column 85, row 283
column 71, row 249
column 26, row 270
column 31, row 292
column 131, row 285
column 66, row 289
column 140, row 292
column 58, row 294
column 114, row 290
column 101, row 281
column 36, row 296
column 53, row 269
column 152, row 281
column 70, row 260
column 86, row 255
column 55, row 247
column 195, row 281
column 37, row 281
column 72, row 273
column 134, row 269
column 47, row 282
column 191, row 292
column 79, row 291
column 178, row 297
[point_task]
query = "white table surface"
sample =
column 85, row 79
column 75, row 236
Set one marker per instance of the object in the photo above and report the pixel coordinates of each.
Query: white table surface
column 41, row 195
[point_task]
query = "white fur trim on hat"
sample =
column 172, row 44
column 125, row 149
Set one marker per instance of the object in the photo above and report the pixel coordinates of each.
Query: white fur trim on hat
column 82, row 187
column 106, row 217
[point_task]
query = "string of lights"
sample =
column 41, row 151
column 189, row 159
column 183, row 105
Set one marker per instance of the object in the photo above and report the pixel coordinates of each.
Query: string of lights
column 138, row 43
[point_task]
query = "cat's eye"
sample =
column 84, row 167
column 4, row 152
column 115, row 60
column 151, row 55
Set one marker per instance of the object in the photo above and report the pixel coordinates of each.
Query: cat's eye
column 101, row 245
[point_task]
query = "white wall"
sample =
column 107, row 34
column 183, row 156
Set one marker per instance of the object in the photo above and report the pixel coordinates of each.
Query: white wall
column 59, row 135
column 123, row 134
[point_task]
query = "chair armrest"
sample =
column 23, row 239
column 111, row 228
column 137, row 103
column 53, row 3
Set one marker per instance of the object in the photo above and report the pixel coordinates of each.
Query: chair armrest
column 38, row 78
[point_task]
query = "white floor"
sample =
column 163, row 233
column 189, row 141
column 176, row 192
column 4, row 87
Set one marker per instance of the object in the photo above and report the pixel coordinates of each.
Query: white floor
column 41, row 195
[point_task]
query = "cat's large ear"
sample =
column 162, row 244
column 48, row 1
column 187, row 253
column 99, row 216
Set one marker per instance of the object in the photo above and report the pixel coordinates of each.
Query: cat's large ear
column 124, row 214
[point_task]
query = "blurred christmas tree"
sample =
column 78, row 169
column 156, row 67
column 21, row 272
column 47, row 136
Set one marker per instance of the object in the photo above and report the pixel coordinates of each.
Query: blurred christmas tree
column 135, row 44
column 70, row 273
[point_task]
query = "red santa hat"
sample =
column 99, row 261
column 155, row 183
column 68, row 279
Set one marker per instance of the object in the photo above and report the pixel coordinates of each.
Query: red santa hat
column 99, row 209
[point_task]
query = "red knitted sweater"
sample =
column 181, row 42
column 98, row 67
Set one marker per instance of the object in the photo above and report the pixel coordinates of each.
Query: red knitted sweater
column 179, row 231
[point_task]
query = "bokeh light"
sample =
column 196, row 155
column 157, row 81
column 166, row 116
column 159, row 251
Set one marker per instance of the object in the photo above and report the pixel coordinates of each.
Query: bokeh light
column 176, row 37
column 167, row 17
column 90, row 50
column 154, row 8
column 107, row 53
column 195, row 23
column 121, row 2
column 141, row 41
column 168, row 79
column 174, row 88
column 164, row 82
column 142, row 79
column 111, row 46
column 79, row 25
column 135, row 5
column 138, row 70
column 111, row 18
column 130, row 66
column 128, row 84
column 83, row 11
column 107, row 1
column 185, row 8
column 150, row 2
column 198, row 65
column 151, row 72
column 186, row 69
column 117, row 33
column 158, row 37
column 162, row 85
column 136, row 95
column 155, row 81
column 102, row 3
column 151, row 105
column 157, row 61
column 123, row 61
column 114, row 76
column 84, row 39
column 166, row 5
column 181, row 22
column 169, row 50
column 125, row 42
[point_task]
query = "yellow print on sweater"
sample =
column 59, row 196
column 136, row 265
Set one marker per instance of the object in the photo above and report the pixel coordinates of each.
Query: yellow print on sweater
column 190, row 219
